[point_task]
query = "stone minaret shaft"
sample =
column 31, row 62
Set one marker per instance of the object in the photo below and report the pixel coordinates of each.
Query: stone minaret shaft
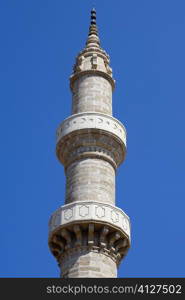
column 89, row 235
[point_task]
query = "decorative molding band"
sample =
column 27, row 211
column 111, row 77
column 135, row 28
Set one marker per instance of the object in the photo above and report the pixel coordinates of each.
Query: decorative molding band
column 87, row 51
column 92, row 120
column 83, row 211
column 91, row 143
column 92, row 152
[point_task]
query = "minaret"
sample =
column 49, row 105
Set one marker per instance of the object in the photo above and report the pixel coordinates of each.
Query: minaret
column 89, row 235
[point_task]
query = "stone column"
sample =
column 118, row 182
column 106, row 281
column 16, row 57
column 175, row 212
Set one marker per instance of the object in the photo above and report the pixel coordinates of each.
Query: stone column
column 89, row 235
column 92, row 93
column 90, row 179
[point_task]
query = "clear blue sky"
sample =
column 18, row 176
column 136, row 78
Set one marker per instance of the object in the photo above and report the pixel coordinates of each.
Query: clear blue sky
column 39, row 42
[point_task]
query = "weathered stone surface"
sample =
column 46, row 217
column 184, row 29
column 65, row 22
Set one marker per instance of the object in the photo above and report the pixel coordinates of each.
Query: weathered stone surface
column 90, row 179
column 92, row 93
column 94, row 265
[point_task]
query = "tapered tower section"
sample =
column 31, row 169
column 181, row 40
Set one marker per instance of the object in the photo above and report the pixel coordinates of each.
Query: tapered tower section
column 89, row 235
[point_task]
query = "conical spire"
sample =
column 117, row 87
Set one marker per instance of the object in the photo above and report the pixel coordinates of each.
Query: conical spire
column 92, row 59
column 93, row 39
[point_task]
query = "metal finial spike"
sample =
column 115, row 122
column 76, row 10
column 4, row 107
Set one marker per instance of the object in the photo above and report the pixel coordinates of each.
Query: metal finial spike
column 93, row 17
column 93, row 31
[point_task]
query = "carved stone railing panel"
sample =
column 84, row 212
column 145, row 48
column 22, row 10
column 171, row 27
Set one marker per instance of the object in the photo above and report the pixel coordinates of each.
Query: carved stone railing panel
column 92, row 120
column 82, row 211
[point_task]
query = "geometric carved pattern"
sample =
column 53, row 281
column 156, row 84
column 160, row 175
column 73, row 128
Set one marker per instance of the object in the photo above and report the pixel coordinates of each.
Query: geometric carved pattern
column 68, row 214
column 83, row 210
column 114, row 216
column 100, row 211
column 125, row 223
